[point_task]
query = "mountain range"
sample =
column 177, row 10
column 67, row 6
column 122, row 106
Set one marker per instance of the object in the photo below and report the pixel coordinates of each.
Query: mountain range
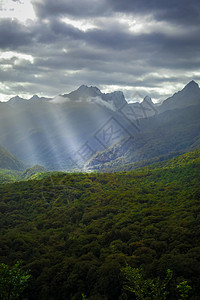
column 87, row 129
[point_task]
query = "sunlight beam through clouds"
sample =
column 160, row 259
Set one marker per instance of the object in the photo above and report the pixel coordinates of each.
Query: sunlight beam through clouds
column 61, row 133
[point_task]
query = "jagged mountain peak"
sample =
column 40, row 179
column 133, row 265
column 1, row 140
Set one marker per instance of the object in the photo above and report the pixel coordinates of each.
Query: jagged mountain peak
column 83, row 92
column 147, row 99
column 84, row 87
column 16, row 98
column 189, row 95
column 191, row 85
column 116, row 98
column 191, row 88
column 19, row 100
column 34, row 97
column 37, row 98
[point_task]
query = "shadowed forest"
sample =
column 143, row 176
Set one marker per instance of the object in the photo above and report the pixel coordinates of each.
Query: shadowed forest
column 75, row 232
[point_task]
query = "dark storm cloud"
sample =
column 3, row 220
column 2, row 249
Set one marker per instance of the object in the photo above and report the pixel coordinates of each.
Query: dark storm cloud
column 13, row 34
column 178, row 11
column 76, row 8
column 182, row 11
column 164, row 46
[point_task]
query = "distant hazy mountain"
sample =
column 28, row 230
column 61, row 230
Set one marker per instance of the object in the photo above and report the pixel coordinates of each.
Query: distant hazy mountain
column 9, row 161
column 93, row 94
column 50, row 132
column 144, row 109
column 70, row 130
column 174, row 127
column 173, row 130
column 189, row 95
column 18, row 100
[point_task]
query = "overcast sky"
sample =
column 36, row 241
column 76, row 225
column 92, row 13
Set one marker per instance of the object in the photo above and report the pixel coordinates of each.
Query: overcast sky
column 50, row 47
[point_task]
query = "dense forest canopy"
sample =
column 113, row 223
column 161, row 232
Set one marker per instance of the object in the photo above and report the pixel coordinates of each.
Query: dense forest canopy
column 75, row 232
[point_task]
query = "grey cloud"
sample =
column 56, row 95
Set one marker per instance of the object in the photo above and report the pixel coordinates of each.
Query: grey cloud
column 172, row 10
column 13, row 34
column 53, row 32
column 74, row 8
column 110, row 39
column 107, row 55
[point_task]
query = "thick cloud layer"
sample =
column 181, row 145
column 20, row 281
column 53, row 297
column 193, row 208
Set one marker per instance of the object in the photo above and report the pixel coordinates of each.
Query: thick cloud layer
column 139, row 47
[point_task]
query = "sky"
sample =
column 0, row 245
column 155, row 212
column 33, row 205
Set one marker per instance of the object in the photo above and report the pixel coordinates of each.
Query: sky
column 141, row 47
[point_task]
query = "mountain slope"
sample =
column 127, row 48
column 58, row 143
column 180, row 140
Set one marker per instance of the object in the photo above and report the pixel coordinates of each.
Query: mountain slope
column 35, row 172
column 50, row 133
column 171, row 131
column 28, row 173
column 189, row 95
column 9, row 161
column 70, row 130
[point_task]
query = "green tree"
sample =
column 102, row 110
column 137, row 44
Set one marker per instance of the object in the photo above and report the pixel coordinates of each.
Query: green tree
column 145, row 289
column 13, row 281
column 183, row 288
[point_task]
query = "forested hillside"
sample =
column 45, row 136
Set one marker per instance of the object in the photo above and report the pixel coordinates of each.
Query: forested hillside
column 75, row 232
column 34, row 172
